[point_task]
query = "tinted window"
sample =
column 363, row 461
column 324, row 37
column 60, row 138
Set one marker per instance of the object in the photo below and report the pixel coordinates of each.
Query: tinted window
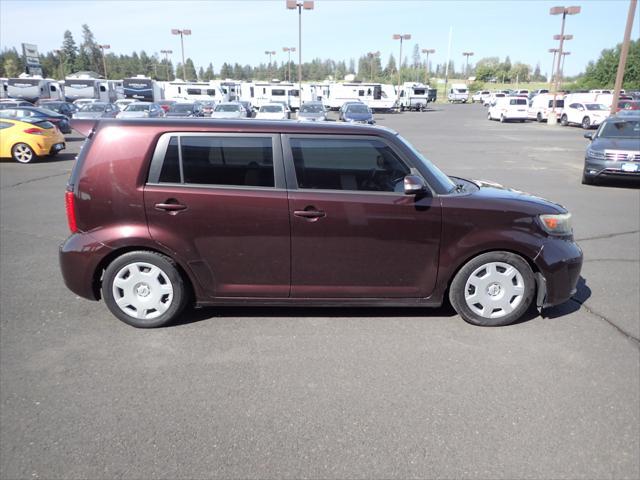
column 621, row 129
column 170, row 172
column 278, row 93
column 227, row 161
column 347, row 164
column 518, row 101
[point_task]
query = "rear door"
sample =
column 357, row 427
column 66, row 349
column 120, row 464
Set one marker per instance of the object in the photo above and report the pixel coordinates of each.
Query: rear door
column 354, row 233
column 219, row 202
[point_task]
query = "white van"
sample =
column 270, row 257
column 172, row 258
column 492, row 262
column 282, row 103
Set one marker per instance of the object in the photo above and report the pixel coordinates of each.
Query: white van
column 491, row 99
column 508, row 108
column 541, row 105
column 458, row 93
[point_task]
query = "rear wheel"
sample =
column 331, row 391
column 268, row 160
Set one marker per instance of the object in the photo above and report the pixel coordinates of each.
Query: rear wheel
column 564, row 121
column 493, row 289
column 502, row 119
column 539, row 117
column 586, row 123
column 23, row 153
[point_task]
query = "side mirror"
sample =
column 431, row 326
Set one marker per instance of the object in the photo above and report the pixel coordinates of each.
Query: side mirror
column 589, row 135
column 413, row 184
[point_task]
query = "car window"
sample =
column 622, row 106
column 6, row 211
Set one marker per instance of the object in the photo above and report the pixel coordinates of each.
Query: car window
column 347, row 164
column 217, row 160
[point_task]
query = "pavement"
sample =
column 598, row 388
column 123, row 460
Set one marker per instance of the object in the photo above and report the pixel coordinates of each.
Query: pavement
column 330, row 393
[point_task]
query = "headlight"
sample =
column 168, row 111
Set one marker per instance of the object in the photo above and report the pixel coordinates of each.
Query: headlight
column 559, row 224
column 596, row 154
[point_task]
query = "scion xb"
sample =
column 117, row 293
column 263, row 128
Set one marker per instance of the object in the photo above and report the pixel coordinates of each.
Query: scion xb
column 170, row 213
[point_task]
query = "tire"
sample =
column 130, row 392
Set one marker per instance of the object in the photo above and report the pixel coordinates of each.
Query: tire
column 489, row 116
column 586, row 123
column 539, row 117
column 564, row 121
column 493, row 289
column 144, row 289
column 502, row 119
column 23, row 153
column 587, row 180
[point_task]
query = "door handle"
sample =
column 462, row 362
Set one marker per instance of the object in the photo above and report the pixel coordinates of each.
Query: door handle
column 170, row 206
column 310, row 213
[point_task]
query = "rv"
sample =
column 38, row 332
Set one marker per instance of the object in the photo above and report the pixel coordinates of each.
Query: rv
column 76, row 88
column 193, row 91
column 33, row 89
column 269, row 92
column 142, row 88
column 232, row 89
column 414, row 96
column 458, row 93
column 377, row 96
column 3, row 88
column 117, row 87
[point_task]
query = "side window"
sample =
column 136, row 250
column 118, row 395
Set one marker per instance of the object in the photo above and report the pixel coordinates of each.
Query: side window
column 347, row 164
column 206, row 160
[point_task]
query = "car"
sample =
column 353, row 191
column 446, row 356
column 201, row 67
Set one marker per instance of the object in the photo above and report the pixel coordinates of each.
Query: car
column 492, row 98
column 60, row 121
column 242, row 212
column 507, row 109
column 480, row 95
column 588, row 115
column 248, row 107
column 357, row 113
column 63, row 108
column 541, row 106
column 14, row 103
column 614, row 151
column 229, row 110
column 312, row 112
column 80, row 102
column 286, row 106
column 272, row 111
column 628, row 104
column 97, row 110
column 166, row 104
column 123, row 102
column 25, row 140
column 207, row 107
column 185, row 110
column 141, row 110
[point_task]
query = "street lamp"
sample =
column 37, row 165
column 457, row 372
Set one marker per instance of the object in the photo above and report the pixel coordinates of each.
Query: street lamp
column 467, row 54
column 561, row 72
column 401, row 37
column 372, row 56
column 553, row 64
column 564, row 11
column 104, row 60
column 182, row 33
column 166, row 60
column 300, row 5
column 269, row 52
column 289, row 50
column 426, row 72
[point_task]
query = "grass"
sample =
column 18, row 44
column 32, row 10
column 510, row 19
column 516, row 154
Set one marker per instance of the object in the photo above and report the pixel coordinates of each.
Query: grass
column 442, row 97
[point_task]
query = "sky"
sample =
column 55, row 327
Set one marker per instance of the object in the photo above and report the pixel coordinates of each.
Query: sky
column 241, row 30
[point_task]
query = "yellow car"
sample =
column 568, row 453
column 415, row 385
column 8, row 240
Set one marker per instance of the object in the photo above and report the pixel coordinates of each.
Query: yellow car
column 25, row 140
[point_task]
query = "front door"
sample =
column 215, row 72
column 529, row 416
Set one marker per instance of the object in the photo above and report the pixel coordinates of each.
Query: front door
column 354, row 233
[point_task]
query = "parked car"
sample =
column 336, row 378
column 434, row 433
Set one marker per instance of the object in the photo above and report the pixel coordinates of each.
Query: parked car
column 141, row 110
column 480, row 96
column 229, row 110
column 207, row 108
column 166, row 104
column 458, row 93
column 628, row 104
column 491, row 99
column 357, row 113
column 185, row 110
column 63, row 108
column 272, row 111
column 123, row 102
column 14, row 103
column 541, row 106
column 507, row 109
column 80, row 102
column 60, row 121
column 248, row 107
column 292, row 213
column 286, row 106
column 312, row 112
column 97, row 110
column 588, row 115
column 614, row 151
column 25, row 140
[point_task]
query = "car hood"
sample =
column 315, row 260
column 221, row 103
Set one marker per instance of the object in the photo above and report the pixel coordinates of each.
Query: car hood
column 490, row 190
column 87, row 115
column 226, row 115
column 358, row 116
column 615, row 144
column 311, row 116
column 179, row 114
column 271, row 116
column 132, row 114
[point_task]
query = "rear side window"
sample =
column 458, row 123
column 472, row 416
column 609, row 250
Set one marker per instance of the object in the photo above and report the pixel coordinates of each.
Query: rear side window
column 204, row 160
column 517, row 101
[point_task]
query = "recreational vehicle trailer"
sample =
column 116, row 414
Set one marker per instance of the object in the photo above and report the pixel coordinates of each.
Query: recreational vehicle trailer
column 268, row 92
column 414, row 96
column 193, row 91
column 92, row 88
column 33, row 89
column 377, row 96
column 142, row 88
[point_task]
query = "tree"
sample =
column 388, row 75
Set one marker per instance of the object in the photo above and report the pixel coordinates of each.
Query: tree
column 208, row 74
column 11, row 63
column 226, row 71
column 90, row 52
column 191, row 70
column 391, row 68
column 69, row 53
column 416, row 56
column 602, row 72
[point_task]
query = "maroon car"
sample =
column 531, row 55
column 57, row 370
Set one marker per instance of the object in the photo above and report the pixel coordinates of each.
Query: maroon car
column 170, row 213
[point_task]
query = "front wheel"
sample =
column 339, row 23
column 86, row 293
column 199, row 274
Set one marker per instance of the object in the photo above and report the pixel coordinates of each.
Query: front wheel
column 23, row 153
column 564, row 121
column 144, row 289
column 493, row 289
column 502, row 119
column 586, row 123
column 539, row 117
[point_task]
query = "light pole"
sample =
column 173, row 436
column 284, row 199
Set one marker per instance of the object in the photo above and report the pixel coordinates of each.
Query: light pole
column 561, row 72
column 182, row 33
column 466, row 69
column 401, row 37
column 306, row 5
column 624, row 51
column 104, row 59
column 372, row 56
column 426, row 68
column 270, row 53
column 61, row 56
column 166, row 60
column 289, row 50
column 564, row 11
column 553, row 64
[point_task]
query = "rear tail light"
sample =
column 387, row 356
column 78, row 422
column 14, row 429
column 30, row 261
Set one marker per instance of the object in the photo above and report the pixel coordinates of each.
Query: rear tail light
column 34, row 131
column 70, row 203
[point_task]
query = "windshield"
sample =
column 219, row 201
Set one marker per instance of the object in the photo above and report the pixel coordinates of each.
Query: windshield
column 227, row 108
column 181, row 108
column 447, row 184
column 621, row 129
column 136, row 108
column 311, row 109
column 272, row 109
column 92, row 107
column 357, row 109
column 595, row 106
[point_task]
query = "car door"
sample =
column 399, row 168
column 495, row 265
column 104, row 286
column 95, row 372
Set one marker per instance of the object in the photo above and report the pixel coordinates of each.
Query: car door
column 573, row 112
column 219, row 202
column 354, row 233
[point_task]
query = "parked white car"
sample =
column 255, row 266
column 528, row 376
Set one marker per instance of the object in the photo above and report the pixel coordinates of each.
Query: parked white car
column 458, row 93
column 508, row 108
column 588, row 115
column 541, row 106
column 123, row 102
column 272, row 111
column 229, row 110
column 480, row 95
column 492, row 98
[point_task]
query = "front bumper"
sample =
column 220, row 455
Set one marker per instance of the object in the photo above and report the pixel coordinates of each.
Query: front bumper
column 560, row 263
column 595, row 168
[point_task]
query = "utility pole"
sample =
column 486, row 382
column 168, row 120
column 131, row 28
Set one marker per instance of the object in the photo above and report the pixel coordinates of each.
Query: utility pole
column 466, row 69
column 401, row 37
column 300, row 5
column 182, row 33
column 624, row 51
column 553, row 64
column 104, row 59
column 446, row 68
column 289, row 50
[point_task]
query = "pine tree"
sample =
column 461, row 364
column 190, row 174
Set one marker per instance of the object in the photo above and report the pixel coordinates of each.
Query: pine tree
column 191, row 70
column 69, row 53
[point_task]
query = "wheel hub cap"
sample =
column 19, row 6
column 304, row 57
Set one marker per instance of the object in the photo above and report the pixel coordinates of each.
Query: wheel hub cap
column 143, row 290
column 494, row 289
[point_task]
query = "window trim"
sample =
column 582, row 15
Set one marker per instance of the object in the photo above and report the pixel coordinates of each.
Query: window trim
column 163, row 143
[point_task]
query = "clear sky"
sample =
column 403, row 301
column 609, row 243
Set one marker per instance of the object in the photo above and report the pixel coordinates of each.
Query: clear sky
column 240, row 31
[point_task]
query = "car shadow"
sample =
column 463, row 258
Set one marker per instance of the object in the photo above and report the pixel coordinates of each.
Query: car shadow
column 632, row 183
column 583, row 293
column 61, row 157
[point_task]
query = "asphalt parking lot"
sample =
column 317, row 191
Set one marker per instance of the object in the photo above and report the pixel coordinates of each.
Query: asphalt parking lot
column 330, row 393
